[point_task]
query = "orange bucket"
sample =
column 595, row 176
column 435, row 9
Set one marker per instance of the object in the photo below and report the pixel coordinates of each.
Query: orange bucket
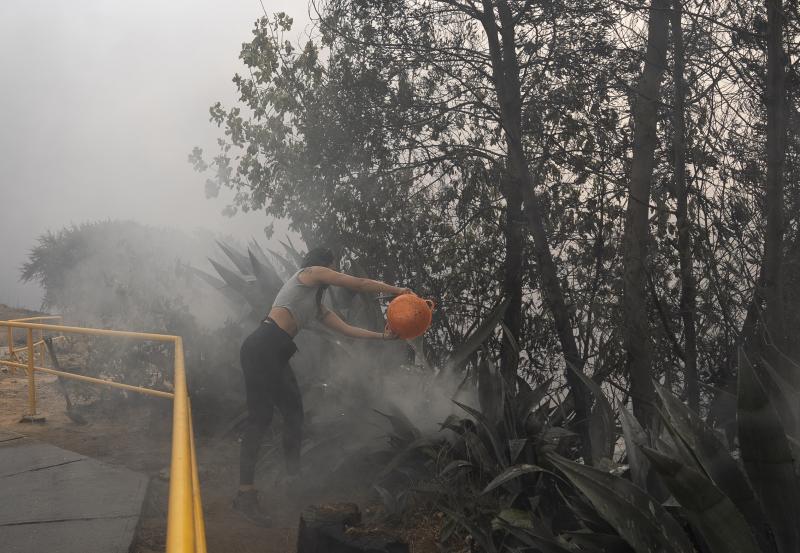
column 409, row 316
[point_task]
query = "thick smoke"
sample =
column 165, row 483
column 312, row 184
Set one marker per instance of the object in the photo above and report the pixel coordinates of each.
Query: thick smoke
column 128, row 276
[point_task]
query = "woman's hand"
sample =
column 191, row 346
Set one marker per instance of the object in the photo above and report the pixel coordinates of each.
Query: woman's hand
column 389, row 335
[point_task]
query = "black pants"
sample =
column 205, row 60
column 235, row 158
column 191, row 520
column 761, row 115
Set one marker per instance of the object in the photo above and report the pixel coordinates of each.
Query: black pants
column 269, row 383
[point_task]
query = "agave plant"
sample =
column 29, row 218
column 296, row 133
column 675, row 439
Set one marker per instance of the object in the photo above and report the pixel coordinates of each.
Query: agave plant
column 512, row 482
column 483, row 459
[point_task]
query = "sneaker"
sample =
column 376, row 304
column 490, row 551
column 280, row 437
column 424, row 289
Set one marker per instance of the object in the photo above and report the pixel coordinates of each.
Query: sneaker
column 247, row 504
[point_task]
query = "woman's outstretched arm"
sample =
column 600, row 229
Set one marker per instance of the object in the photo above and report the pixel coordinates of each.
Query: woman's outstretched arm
column 335, row 323
column 320, row 276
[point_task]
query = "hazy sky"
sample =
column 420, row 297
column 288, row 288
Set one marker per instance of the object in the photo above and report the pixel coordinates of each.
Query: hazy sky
column 101, row 103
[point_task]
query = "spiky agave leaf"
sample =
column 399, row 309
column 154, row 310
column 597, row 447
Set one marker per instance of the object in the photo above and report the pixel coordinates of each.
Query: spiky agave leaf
column 491, row 391
column 510, row 337
column 715, row 459
column 782, row 394
column 670, row 442
column 594, row 542
column 638, row 518
column 707, row 508
column 401, row 424
column 402, row 456
column 211, row 280
column 583, row 510
column 601, row 422
column 478, row 336
column 289, row 240
column 217, row 284
column 525, row 418
column 478, row 451
column 454, row 466
column 635, row 437
column 515, row 447
column 287, row 266
column 528, row 398
column 255, row 247
column 291, row 251
column 268, row 280
column 517, row 518
column 520, row 524
column 767, row 459
column 501, row 459
column 510, row 474
column 239, row 260
column 240, row 284
column 794, row 373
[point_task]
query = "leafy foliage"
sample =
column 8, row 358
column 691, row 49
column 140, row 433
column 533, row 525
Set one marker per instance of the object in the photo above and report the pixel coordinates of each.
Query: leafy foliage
column 516, row 482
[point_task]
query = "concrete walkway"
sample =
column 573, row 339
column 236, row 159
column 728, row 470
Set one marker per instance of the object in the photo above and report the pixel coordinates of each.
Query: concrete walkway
column 56, row 501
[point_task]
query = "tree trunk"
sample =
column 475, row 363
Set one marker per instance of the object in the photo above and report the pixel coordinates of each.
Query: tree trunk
column 508, row 92
column 776, row 144
column 505, row 69
column 685, row 252
column 512, row 282
column 637, row 232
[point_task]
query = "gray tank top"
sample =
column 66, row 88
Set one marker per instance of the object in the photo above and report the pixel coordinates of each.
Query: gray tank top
column 299, row 299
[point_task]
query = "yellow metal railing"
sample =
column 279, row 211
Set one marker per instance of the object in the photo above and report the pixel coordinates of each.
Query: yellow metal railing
column 185, row 524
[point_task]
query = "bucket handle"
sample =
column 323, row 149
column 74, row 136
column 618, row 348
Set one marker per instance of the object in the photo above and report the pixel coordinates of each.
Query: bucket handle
column 431, row 304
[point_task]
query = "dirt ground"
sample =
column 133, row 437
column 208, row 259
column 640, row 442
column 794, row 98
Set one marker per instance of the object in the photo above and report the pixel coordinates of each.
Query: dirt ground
column 136, row 434
column 129, row 438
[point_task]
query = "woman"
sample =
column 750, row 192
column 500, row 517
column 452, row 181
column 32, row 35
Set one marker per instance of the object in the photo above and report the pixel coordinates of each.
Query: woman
column 269, row 380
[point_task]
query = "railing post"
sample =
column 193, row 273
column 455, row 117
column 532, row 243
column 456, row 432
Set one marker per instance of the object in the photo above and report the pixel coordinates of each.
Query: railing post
column 180, row 512
column 31, row 377
column 42, row 353
column 31, row 416
column 199, row 522
column 11, row 342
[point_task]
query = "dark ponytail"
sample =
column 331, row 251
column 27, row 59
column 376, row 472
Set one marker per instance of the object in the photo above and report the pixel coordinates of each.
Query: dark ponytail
column 321, row 257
